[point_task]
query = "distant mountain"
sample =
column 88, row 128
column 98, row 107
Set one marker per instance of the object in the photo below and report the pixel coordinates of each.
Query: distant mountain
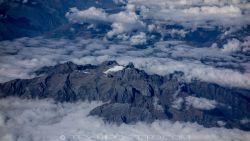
column 19, row 18
column 132, row 95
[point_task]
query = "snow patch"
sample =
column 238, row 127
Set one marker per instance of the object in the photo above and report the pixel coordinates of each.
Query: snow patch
column 114, row 69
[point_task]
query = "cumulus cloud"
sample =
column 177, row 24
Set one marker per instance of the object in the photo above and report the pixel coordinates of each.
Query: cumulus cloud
column 195, row 13
column 175, row 32
column 120, row 1
column 244, row 121
column 138, row 39
column 213, row 10
column 124, row 21
column 235, row 45
column 232, row 46
column 89, row 15
column 150, row 16
column 39, row 120
column 246, row 44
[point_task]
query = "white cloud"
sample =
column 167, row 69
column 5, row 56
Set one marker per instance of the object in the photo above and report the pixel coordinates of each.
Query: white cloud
column 191, row 69
column 120, row 1
column 151, row 27
column 41, row 120
column 138, row 39
column 124, row 21
column 91, row 14
column 19, row 58
column 246, row 44
column 245, row 121
column 193, row 13
column 144, row 15
column 214, row 10
column 25, row 1
column 232, row 46
column 200, row 103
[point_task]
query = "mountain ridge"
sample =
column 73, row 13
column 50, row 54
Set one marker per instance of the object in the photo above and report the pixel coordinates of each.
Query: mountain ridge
column 132, row 95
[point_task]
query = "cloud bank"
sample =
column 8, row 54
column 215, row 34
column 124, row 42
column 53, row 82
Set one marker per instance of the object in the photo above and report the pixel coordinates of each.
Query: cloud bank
column 39, row 120
column 21, row 57
column 196, row 13
column 229, row 15
column 124, row 21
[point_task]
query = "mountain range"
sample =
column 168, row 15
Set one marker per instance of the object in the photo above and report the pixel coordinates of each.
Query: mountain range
column 131, row 95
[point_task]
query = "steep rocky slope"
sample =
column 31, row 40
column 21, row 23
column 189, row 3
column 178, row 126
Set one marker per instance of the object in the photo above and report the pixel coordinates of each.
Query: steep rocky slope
column 132, row 95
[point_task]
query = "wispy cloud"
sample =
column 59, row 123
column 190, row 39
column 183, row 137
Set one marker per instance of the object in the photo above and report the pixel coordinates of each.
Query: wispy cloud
column 200, row 103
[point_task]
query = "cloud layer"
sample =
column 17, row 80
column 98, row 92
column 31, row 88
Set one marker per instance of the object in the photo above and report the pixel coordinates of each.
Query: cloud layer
column 228, row 15
column 19, row 58
column 124, row 21
column 157, row 36
column 26, row 120
column 195, row 13
column 180, row 23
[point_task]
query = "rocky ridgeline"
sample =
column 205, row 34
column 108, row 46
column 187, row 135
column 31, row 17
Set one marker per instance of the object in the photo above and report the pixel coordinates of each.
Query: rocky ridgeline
column 132, row 95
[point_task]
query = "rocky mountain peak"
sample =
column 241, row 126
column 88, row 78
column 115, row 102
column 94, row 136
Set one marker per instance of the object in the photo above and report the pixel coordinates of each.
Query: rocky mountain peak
column 132, row 95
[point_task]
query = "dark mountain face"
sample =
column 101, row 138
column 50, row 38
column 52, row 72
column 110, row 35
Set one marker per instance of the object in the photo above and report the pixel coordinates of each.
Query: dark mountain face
column 132, row 95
